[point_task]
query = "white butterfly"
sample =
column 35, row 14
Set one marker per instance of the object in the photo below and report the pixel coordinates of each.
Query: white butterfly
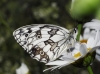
column 46, row 42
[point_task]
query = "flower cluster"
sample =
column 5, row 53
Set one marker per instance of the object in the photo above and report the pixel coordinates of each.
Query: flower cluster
column 89, row 42
column 93, row 30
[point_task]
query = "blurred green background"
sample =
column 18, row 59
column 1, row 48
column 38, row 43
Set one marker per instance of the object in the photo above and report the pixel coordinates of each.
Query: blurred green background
column 17, row 13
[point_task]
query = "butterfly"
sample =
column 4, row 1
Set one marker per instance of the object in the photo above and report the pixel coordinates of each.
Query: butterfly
column 45, row 42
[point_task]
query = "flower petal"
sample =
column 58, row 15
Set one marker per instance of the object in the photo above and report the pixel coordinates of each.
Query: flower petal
column 83, row 49
column 95, row 24
column 87, row 30
column 90, row 42
column 97, row 57
column 97, row 37
column 95, row 20
column 66, row 56
column 52, row 68
column 92, row 25
column 23, row 69
column 98, row 44
column 98, row 51
column 94, row 48
column 86, row 33
column 59, row 62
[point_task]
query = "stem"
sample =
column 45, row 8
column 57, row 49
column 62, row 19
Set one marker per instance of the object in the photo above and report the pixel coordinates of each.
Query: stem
column 89, row 69
column 79, row 32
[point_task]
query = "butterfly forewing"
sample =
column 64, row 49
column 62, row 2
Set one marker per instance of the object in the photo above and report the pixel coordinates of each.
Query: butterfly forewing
column 44, row 43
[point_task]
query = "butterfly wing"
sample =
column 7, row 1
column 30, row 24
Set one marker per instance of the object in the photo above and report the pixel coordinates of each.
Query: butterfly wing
column 44, row 42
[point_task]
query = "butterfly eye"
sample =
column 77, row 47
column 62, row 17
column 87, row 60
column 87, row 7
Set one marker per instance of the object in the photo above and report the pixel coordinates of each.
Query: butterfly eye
column 75, row 30
column 41, row 53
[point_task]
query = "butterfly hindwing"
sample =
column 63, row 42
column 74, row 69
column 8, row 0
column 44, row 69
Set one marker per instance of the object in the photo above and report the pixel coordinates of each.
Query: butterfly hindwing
column 43, row 42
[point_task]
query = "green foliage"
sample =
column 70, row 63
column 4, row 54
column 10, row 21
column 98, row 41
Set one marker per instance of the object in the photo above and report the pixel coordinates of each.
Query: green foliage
column 84, row 10
column 17, row 13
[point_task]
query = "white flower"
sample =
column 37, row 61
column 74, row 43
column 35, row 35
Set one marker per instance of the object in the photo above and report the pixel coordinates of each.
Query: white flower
column 23, row 69
column 88, row 33
column 75, row 53
column 88, row 43
column 95, row 26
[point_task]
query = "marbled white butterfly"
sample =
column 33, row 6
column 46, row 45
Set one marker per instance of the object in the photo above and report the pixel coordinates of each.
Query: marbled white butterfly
column 45, row 42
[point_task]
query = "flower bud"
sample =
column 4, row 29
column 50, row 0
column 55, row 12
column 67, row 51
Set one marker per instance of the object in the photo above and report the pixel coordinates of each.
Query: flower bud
column 84, row 10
